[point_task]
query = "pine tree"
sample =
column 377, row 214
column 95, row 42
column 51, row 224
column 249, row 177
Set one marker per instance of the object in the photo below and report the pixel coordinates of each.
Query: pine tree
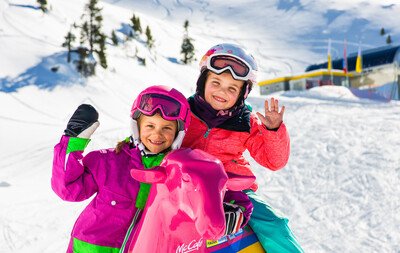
column 43, row 5
column 187, row 47
column 114, row 38
column 150, row 40
column 93, row 24
column 132, row 33
column 91, row 31
column 382, row 32
column 138, row 25
column 101, row 52
column 69, row 39
column 389, row 40
column 82, row 64
column 141, row 60
column 84, row 33
column 135, row 24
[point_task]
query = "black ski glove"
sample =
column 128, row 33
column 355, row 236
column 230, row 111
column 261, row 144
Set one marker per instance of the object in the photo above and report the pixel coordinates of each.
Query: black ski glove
column 84, row 118
column 233, row 218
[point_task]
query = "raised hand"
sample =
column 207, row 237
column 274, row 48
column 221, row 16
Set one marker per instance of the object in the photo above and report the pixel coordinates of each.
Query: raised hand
column 273, row 117
column 83, row 122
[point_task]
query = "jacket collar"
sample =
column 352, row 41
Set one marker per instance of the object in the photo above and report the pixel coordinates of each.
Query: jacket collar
column 239, row 121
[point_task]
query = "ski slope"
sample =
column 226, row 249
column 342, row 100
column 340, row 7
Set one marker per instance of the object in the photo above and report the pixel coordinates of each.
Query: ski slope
column 340, row 188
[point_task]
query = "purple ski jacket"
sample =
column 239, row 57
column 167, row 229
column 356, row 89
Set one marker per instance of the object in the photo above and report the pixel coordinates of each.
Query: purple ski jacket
column 105, row 221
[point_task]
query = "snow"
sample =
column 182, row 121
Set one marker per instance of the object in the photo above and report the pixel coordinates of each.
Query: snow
column 340, row 188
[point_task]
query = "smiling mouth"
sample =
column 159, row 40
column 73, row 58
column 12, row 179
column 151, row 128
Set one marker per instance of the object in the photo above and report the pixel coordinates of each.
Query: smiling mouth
column 156, row 142
column 219, row 99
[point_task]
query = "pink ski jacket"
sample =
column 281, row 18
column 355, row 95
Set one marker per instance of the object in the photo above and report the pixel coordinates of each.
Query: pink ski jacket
column 269, row 148
column 105, row 221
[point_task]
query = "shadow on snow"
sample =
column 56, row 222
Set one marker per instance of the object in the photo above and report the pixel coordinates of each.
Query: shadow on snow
column 52, row 71
column 26, row 6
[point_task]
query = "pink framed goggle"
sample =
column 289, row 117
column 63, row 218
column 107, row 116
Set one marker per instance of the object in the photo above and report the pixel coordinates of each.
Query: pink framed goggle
column 170, row 108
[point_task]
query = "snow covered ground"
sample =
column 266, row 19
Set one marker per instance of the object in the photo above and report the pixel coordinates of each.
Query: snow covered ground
column 340, row 189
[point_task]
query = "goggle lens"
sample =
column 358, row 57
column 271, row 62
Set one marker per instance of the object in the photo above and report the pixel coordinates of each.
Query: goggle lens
column 168, row 106
column 221, row 62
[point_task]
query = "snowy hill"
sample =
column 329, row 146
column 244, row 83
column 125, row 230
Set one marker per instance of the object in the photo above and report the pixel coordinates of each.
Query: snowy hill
column 340, row 188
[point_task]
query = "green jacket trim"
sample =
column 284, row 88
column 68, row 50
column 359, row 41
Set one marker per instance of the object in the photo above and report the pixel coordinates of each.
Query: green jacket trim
column 77, row 144
column 85, row 247
column 149, row 162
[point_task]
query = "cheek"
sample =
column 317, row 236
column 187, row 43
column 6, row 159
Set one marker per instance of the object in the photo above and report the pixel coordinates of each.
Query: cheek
column 206, row 91
column 209, row 88
column 170, row 136
column 143, row 132
column 141, row 135
column 207, row 95
column 233, row 97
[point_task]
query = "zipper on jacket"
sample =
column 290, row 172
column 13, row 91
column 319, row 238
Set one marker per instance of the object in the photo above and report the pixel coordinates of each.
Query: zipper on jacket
column 207, row 132
column 208, row 128
column 128, row 233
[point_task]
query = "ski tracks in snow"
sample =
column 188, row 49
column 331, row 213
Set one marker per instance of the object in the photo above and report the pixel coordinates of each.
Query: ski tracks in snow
column 23, row 224
column 166, row 9
column 8, row 235
column 180, row 4
column 348, row 194
column 345, row 173
column 15, row 25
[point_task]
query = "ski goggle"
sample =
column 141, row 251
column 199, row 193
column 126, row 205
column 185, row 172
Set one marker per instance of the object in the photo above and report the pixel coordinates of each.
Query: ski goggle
column 170, row 108
column 239, row 69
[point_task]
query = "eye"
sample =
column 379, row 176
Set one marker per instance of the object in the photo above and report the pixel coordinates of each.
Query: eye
column 232, row 90
column 215, row 83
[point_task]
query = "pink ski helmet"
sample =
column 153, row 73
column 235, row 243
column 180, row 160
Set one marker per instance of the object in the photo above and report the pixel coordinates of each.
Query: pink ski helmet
column 234, row 58
column 169, row 102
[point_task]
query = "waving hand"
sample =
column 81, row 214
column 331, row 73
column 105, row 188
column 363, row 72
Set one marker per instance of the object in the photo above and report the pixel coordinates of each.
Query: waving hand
column 273, row 117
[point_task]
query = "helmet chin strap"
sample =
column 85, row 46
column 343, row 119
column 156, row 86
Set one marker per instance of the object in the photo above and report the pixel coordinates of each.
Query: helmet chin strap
column 178, row 140
column 136, row 138
column 135, row 129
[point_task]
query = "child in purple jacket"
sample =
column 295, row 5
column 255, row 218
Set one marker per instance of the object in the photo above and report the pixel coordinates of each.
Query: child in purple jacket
column 160, row 118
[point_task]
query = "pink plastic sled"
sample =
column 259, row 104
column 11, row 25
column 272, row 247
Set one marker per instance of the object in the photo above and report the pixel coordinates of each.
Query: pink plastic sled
column 184, row 211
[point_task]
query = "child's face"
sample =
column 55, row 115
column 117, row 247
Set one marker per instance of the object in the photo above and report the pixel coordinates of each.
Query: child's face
column 222, row 91
column 156, row 133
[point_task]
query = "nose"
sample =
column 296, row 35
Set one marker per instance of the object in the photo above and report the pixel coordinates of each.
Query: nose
column 158, row 131
column 224, row 89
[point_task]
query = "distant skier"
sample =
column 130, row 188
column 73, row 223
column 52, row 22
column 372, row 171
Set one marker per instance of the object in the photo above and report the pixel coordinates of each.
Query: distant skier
column 159, row 123
column 224, row 126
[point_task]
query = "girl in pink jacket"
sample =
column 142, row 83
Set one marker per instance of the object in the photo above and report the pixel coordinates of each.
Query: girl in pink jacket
column 159, row 122
column 224, row 126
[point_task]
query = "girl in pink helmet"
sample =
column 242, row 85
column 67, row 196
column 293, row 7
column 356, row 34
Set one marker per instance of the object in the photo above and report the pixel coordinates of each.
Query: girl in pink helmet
column 160, row 117
column 224, row 126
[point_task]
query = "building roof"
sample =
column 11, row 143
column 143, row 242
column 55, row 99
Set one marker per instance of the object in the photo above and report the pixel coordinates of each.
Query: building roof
column 370, row 58
column 310, row 74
